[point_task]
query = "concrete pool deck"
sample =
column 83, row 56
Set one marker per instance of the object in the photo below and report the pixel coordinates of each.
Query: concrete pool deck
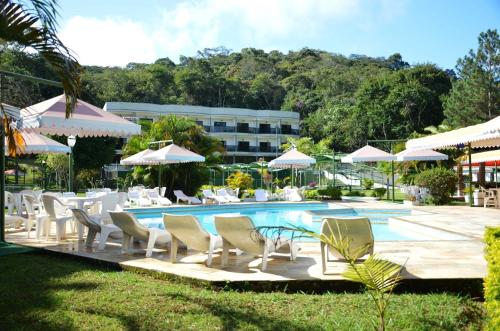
column 460, row 259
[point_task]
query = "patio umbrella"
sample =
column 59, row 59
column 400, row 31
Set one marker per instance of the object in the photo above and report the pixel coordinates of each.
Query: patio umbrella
column 49, row 117
column 371, row 154
column 138, row 158
column 420, row 155
column 38, row 144
column 172, row 154
column 293, row 159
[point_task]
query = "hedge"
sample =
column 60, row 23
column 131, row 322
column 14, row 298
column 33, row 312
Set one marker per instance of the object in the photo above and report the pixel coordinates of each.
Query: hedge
column 492, row 280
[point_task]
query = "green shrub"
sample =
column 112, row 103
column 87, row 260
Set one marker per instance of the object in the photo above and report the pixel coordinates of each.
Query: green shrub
column 440, row 182
column 331, row 192
column 379, row 192
column 311, row 194
column 249, row 193
column 368, row 183
column 354, row 194
column 492, row 280
column 239, row 180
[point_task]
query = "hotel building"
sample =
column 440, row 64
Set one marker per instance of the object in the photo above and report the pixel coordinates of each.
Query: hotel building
column 247, row 134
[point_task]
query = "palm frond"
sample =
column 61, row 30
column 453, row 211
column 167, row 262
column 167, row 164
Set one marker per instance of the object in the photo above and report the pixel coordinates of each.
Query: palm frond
column 375, row 273
column 35, row 27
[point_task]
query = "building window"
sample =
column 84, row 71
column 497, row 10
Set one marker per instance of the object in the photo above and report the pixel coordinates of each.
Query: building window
column 219, row 126
column 264, row 128
column 264, row 146
column 243, row 146
column 242, row 127
column 200, row 123
column 286, row 129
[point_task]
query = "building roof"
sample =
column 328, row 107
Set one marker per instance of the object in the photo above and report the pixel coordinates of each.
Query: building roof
column 136, row 107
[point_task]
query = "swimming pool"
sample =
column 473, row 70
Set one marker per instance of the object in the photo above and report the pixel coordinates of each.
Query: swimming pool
column 301, row 214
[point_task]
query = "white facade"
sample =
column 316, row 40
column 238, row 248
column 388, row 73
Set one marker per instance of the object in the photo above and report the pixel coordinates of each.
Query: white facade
column 244, row 132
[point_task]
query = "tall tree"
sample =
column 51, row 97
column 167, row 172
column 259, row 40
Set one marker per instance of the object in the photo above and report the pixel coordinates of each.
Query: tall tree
column 475, row 96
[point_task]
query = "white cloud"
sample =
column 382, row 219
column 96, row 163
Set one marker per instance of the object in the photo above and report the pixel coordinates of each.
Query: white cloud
column 196, row 24
column 107, row 42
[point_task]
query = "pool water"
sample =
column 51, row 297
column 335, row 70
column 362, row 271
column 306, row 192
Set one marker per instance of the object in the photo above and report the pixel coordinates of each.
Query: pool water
column 307, row 215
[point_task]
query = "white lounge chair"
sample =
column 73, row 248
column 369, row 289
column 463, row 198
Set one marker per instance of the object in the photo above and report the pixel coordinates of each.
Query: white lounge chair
column 133, row 230
column 223, row 193
column 261, row 195
column 105, row 230
column 155, row 198
column 208, row 194
column 9, row 202
column 292, row 194
column 56, row 212
column 188, row 230
column 135, row 197
column 240, row 232
column 183, row 197
column 356, row 230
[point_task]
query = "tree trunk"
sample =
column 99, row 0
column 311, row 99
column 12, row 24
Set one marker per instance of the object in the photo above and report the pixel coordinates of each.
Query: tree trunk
column 460, row 173
column 481, row 175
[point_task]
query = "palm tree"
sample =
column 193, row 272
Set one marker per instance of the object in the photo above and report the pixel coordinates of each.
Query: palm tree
column 33, row 24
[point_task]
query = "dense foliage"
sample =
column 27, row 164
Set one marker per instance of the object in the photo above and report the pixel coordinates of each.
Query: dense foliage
column 440, row 182
column 183, row 132
column 492, row 280
column 239, row 180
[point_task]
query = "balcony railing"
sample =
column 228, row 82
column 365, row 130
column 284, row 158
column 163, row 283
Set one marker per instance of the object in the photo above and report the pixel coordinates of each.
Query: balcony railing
column 250, row 149
column 234, row 129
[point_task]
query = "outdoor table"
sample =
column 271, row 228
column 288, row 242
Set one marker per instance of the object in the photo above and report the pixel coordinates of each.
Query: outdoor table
column 79, row 202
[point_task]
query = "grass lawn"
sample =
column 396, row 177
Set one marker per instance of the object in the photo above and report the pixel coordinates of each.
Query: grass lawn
column 41, row 292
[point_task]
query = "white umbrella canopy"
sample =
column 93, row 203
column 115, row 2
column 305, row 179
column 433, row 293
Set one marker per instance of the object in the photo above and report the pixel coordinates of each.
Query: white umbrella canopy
column 420, row 155
column 36, row 143
column 292, row 159
column 138, row 158
column 368, row 154
column 49, row 117
column 172, row 154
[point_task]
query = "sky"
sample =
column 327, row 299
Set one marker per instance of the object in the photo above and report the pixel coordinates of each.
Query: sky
column 117, row 32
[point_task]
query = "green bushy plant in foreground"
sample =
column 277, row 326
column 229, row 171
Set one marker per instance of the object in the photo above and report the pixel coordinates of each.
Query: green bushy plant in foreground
column 368, row 183
column 354, row 194
column 331, row 192
column 440, row 182
column 311, row 194
column 379, row 192
column 239, row 180
column 492, row 280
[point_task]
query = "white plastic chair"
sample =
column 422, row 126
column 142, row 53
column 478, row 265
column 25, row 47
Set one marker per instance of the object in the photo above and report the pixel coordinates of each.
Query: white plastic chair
column 133, row 230
column 54, row 209
column 183, row 197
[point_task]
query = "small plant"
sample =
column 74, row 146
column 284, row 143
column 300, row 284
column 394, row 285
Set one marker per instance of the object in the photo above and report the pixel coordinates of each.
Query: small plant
column 312, row 184
column 379, row 192
column 239, row 180
column 355, row 194
column 311, row 194
column 368, row 183
column 440, row 182
column 331, row 192
column 379, row 276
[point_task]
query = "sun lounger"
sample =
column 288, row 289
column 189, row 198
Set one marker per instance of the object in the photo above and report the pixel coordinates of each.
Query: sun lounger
column 188, row 230
column 133, row 230
column 239, row 232
column 183, row 197
column 155, row 198
column 208, row 194
column 357, row 230
column 223, row 193
column 261, row 195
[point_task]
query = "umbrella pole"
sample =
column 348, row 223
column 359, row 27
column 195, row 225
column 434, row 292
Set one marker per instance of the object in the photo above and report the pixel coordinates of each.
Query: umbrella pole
column 469, row 151
column 496, row 175
column 334, row 183
column 159, row 177
column 392, row 174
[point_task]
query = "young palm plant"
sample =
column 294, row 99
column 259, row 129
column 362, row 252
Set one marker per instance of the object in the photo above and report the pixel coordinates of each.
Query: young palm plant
column 379, row 276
